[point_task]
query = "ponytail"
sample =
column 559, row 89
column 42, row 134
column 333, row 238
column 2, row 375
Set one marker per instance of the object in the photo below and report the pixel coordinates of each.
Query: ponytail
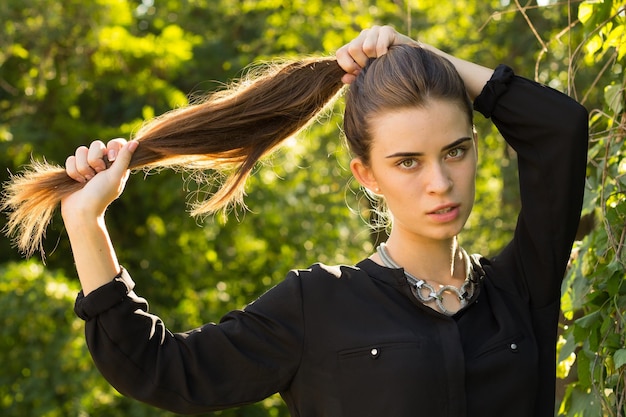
column 228, row 132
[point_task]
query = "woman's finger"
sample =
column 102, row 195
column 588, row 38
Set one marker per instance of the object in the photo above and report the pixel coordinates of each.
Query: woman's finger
column 346, row 61
column 370, row 43
column 387, row 36
column 355, row 48
column 95, row 156
column 376, row 42
column 72, row 171
column 82, row 163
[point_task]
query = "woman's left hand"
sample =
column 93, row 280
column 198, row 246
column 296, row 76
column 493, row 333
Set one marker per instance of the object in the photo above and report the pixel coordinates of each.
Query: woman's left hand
column 103, row 182
column 371, row 43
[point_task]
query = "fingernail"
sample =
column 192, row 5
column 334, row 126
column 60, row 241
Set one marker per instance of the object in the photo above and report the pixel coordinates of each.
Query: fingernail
column 111, row 155
column 132, row 145
column 88, row 177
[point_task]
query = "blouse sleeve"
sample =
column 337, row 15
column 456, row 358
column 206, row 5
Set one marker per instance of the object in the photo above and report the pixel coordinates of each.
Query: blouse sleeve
column 549, row 132
column 249, row 355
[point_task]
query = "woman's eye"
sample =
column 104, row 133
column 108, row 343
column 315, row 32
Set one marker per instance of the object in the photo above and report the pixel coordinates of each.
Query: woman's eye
column 408, row 163
column 456, row 153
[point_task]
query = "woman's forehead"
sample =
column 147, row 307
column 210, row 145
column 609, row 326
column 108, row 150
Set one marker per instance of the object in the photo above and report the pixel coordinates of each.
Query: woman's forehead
column 433, row 125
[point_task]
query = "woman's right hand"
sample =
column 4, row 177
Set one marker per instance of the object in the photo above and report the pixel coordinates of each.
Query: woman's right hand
column 103, row 182
column 371, row 43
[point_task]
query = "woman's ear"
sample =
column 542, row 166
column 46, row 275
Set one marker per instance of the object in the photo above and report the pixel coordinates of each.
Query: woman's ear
column 364, row 175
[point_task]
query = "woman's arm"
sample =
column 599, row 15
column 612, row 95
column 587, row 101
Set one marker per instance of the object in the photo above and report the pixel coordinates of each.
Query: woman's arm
column 250, row 355
column 549, row 132
column 375, row 41
column 83, row 211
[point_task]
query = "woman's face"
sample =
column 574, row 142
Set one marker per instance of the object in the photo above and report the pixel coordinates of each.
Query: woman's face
column 423, row 162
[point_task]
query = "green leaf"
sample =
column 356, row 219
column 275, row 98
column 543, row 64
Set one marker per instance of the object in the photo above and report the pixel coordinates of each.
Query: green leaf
column 585, row 11
column 619, row 358
column 614, row 97
column 567, row 348
column 589, row 320
column 583, row 370
column 593, row 341
column 584, row 404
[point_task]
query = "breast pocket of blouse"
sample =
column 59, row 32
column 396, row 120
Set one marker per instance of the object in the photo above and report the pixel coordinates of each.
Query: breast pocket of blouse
column 516, row 347
column 510, row 360
column 375, row 380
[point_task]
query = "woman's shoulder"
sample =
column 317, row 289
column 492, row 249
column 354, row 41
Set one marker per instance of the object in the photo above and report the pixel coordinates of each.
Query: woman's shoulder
column 317, row 282
column 364, row 274
column 321, row 271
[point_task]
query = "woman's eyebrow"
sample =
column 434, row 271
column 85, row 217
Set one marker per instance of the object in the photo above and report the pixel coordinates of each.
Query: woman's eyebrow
column 445, row 148
column 455, row 143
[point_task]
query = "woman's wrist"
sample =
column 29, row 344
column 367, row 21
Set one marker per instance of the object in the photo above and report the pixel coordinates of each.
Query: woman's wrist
column 95, row 259
column 474, row 76
column 82, row 222
column 73, row 213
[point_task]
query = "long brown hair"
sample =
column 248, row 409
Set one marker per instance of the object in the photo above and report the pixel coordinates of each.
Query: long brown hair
column 232, row 129
column 228, row 132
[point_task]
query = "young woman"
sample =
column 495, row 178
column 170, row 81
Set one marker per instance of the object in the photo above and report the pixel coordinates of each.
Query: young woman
column 417, row 328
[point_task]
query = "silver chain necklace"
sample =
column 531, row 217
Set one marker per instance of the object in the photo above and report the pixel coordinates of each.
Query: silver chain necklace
column 425, row 292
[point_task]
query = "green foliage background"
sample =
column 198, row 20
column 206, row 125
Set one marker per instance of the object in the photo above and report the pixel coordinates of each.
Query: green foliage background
column 73, row 71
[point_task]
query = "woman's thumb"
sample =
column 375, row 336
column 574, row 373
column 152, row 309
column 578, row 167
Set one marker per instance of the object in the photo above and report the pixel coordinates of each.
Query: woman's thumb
column 122, row 159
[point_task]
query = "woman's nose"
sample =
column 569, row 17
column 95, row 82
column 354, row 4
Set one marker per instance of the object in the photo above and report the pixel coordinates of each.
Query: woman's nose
column 439, row 180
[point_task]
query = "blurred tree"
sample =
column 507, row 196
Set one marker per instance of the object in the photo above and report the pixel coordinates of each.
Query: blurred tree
column 72, row 71
column 46, row 368
column 592, row 352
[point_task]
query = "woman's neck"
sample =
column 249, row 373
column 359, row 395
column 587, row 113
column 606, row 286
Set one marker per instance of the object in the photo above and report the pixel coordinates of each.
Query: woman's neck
column 437, row 261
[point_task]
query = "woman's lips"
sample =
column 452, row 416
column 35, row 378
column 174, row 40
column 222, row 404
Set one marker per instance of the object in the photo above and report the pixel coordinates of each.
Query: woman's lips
column 445, row 213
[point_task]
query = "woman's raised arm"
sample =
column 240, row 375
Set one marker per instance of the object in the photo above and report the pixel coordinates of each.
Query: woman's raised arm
column 373, row 42
column 83, row 211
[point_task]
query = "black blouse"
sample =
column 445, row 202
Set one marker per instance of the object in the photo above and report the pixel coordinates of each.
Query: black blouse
column 352, row 340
